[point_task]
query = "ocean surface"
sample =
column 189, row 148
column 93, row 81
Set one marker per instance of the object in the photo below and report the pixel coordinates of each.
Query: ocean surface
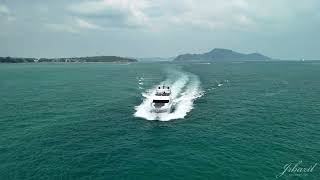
column 243, row 120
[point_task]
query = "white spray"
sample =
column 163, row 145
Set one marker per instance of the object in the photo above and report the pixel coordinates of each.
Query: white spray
column 185, row 88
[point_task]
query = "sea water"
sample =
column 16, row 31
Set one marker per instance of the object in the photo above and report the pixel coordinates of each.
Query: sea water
column 92, row 121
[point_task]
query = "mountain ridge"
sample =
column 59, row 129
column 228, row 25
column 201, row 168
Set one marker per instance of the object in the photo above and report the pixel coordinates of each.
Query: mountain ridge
column 220, row 54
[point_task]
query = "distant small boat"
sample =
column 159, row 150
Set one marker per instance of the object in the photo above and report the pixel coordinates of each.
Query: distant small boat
column 162, row 101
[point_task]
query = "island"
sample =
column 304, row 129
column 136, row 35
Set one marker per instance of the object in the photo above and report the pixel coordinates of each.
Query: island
column 219, row 54
column 100, row 59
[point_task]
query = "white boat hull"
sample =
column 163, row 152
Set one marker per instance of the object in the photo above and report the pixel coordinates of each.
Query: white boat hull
column 167, row 108
column 162, row 101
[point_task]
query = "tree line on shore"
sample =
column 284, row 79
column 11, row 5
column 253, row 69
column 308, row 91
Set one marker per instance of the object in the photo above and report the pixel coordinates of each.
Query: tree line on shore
column 74, row 59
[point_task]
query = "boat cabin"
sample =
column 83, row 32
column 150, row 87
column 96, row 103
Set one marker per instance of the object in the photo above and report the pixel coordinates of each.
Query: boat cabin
column 163, row 91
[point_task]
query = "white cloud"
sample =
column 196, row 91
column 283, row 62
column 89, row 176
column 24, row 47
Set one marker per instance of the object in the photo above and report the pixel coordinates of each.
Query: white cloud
column 116, row 12
column 243, row 20
column 155, row 14
column 211, row 14
column 61, row 28
column 4, row 9
column 204, row 14
column 169, row 25
column 87, row 25
column 72, row 25
column 6, row 15
column 158, row 15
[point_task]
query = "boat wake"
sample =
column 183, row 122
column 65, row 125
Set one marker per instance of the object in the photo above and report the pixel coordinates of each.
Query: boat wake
column 185, row 88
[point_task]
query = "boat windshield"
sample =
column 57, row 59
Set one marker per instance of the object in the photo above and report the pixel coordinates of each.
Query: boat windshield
column 160, row 101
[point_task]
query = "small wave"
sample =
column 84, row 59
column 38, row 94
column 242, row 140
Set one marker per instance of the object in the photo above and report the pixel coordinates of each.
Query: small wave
column 202, row 63
column 185, row 89
column 140, row 83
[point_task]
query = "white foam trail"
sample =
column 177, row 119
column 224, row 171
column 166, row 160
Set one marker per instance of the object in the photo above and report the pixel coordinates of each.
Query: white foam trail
column 185, row 88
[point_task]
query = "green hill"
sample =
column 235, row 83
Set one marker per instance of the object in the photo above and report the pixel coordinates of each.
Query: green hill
column 221, row 55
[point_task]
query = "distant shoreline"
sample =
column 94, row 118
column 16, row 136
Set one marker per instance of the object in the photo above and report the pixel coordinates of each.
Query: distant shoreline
column 93, row 59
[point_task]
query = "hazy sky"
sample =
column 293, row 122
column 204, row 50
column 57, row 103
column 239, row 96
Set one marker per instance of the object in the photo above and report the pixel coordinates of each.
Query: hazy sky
column 151, row 28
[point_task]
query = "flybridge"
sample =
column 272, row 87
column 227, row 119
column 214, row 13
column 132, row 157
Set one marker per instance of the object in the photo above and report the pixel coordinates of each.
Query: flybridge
column 163, row 91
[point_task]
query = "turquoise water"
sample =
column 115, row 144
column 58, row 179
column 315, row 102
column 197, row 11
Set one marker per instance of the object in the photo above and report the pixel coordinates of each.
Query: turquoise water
column 81, row 121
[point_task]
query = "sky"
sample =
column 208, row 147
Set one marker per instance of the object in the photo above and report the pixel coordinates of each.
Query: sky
column 286, row 29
